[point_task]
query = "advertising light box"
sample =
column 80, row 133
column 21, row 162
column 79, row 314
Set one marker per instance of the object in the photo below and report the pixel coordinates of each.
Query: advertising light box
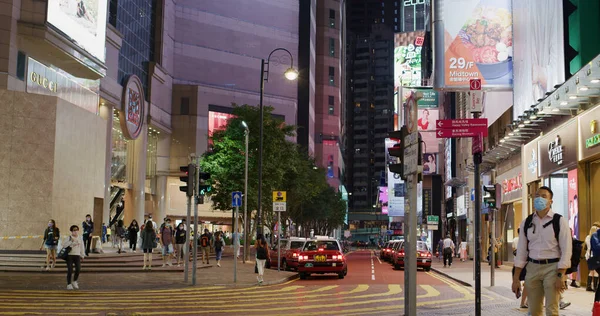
column 473, row 41
column 83, row 21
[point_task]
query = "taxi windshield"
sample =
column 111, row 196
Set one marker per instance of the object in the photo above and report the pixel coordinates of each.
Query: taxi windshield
column 321, row 244
column 296, row 244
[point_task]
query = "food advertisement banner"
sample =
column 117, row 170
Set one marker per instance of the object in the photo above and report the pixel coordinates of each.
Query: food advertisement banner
column 407, row 59
column 476, row 43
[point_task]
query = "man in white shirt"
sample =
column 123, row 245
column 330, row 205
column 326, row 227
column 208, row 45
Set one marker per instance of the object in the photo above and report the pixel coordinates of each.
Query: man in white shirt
column 448, row 250
column 547, row 257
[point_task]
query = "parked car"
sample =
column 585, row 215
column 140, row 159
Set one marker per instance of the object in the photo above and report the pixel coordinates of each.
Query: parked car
column 290, row 248
column 423, row 256
column 321, row 256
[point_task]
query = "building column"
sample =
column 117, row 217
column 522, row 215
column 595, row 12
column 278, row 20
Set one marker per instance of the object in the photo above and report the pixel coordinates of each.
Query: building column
column 163, row 152
column 136, row 162
column 106, row 112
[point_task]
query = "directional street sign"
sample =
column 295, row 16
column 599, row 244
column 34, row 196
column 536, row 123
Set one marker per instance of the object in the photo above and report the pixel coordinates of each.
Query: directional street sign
column 461, row 123
column 455, row 133
column 236, row 199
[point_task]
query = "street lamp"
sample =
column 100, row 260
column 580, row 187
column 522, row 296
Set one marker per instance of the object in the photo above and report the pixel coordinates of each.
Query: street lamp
column 290, row 74
column 246, row 239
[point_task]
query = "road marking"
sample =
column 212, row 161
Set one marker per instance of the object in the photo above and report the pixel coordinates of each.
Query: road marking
column 372, row 266
column 379, row 260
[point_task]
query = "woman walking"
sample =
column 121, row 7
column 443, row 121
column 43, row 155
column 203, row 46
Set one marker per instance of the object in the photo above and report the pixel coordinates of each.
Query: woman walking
column 219, row 245
column 119, row 235
column 50, row 242
column 76, row 255
column 180, row 243
column 148, row 236
column 133, row 230
column 592, row 279
column 262, row 254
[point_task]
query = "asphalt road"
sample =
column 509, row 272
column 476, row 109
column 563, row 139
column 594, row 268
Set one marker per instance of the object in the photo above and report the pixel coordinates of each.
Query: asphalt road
column 370, row 288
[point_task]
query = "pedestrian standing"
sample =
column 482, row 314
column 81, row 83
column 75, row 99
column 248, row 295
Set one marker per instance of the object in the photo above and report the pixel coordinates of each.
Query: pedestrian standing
column 76, row 255
column 262, row 254
column 204, row 242
column 148, row 236
column 219, row 245
column 166, row 239
column 109, row 235
column 440, row 249
column 88, row 229
column 463, row 251
column 50, row 242
column 133, row 230
column 119, row 235
column 592, row 279
column 180, row 248
column 448, row 246
column 104, row 232
column 546, row 252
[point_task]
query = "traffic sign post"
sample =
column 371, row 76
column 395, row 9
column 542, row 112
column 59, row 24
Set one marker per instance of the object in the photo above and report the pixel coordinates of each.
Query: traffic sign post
column 236, row 201
column 279, row 203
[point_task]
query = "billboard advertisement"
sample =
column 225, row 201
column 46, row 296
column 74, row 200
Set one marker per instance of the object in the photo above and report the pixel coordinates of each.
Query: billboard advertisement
column 573, row 200
column 427, row 114
column 430, row 163
column 538, row 46
column 474, row 41
column 383, row 199
column 83, row 21
column 407, row 59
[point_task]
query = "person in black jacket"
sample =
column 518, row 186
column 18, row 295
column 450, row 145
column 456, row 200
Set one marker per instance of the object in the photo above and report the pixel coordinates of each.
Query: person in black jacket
column 132, row 232
column 180, row 235
column 88, row 229
column 50, row 242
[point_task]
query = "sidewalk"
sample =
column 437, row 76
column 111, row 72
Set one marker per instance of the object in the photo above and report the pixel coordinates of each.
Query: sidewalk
column 158, row 278
column 462, row 272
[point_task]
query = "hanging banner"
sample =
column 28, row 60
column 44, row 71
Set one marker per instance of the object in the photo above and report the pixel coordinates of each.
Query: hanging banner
column 573, row 202
column 474, row 42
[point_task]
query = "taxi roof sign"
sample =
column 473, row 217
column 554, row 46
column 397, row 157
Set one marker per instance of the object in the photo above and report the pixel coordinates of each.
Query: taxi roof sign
column 279, row 196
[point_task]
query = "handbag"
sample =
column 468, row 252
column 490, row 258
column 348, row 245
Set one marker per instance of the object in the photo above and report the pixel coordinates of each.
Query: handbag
column 64, row 252
column 593, row 263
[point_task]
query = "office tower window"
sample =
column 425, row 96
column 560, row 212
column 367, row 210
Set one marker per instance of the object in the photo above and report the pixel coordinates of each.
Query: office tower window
column 185, row 106
column 331, row 105
column 331, row 75
column 331, row 18
column 331, row 47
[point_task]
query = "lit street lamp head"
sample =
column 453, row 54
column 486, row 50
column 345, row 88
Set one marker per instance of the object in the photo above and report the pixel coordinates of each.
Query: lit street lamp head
column 291, row 74
column 244, row 124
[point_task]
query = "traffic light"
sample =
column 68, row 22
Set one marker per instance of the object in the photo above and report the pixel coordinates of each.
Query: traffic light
column 203, row 187
column 190, row 173
column 398, row 151
column 489, row 196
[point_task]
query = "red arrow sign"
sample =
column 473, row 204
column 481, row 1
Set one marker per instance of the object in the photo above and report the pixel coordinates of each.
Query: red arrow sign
column 461, row 123
column 461, row 132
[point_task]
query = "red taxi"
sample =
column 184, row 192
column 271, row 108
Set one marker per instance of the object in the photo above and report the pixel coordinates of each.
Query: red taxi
column 386, row 252
column 290, row 248
column 320, row 256
column 423, row 256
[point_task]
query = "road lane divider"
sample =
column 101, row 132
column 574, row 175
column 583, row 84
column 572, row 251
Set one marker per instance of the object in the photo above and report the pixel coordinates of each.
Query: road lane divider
column 372, row 266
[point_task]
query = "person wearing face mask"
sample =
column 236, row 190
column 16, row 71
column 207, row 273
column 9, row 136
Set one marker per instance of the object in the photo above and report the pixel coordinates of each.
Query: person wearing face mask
column 166, row 239
column 545, row 247
column 50, row 242
column 75, row 257
column 180, row 235
column 88, row 229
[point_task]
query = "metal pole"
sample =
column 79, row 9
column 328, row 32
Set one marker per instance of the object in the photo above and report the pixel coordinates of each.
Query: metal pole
column 246, row 235
column 410, row 250
column 493, row 247
column 278, row 241
column 237, row 209
column 195, row 265
column 187, row 239
column 477, row 161
column 260, row 150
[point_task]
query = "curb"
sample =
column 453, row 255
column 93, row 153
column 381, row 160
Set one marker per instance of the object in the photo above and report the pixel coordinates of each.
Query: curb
column 436, row 270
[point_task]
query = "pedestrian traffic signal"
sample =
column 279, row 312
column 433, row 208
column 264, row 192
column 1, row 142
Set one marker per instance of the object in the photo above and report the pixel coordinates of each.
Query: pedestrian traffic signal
column 398, row 151
column 489, row 196
column 188, row 178
column 203, row 186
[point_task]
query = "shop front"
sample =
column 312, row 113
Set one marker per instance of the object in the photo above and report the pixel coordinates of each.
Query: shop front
column 511, row 184
column 588, row 198
column 558, row 165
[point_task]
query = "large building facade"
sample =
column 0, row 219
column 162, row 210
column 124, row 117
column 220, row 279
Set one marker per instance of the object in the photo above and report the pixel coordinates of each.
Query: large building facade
column 101, row 107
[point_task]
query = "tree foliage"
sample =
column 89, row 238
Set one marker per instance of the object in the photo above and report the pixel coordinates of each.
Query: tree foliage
column 311, row 203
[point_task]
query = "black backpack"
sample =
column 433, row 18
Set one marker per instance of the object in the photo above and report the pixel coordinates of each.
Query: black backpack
column 577, row 245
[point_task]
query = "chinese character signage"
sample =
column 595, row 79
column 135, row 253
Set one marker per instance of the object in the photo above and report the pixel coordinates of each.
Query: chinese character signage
column 558, row 149
column 407, row 59
column 477, row 43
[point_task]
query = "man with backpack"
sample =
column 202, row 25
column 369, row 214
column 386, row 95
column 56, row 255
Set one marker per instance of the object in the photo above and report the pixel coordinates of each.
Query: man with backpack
column 546, row 248
column 204, row 242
